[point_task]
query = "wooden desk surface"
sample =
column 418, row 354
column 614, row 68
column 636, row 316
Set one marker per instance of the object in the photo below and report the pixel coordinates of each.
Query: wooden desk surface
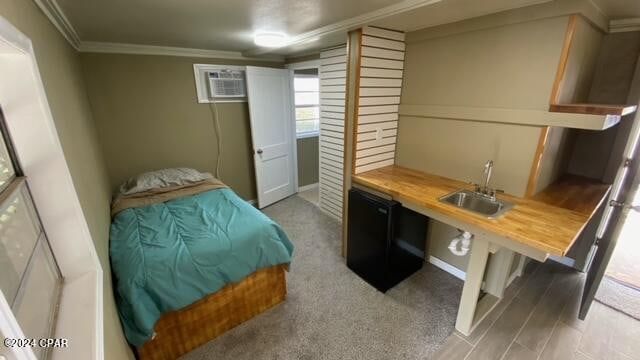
column 549, row 223
column 575, row 193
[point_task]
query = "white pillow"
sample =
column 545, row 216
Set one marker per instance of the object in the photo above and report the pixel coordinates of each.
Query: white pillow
column 162, row 178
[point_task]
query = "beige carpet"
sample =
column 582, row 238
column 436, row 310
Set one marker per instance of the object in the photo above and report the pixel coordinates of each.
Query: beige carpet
column 330, row 313
column 312, row 195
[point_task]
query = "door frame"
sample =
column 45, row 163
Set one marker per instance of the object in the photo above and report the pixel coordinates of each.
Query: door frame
column 28, row 116
column 589, row 296
column 301, row 65
column 613, row 220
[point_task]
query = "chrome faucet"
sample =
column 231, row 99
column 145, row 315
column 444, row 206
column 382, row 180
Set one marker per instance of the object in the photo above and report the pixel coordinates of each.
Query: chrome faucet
column 488, row 167
column 485, row 190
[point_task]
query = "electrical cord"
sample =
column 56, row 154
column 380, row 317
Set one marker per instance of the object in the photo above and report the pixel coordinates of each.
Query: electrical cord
column 213, row 109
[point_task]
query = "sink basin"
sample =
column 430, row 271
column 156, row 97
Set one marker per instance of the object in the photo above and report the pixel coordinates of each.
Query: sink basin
column 476, row 203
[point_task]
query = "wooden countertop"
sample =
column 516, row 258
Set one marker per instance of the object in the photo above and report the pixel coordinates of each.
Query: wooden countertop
column 575, row 193
column 549, row 223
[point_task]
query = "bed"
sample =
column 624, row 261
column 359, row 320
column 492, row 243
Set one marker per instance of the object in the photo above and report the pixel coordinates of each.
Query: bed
column 190, row 261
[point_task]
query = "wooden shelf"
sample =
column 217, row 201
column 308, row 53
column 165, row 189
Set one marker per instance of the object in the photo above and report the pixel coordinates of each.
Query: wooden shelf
column 576, row 120
column 575, row 193
column 593, row 109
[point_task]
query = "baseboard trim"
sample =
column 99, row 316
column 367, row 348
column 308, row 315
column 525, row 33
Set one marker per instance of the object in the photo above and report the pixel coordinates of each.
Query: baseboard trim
column 513, row 276
column 307, row 187
column 447, row 267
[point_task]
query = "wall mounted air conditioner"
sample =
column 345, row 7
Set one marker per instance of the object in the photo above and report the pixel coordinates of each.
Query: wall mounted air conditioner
column 226, row 84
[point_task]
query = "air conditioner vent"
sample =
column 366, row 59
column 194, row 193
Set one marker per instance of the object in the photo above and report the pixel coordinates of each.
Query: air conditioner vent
column 226, row 84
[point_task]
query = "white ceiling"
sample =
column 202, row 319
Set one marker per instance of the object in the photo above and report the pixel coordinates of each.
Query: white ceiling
column 204, row 24
column 229, row 25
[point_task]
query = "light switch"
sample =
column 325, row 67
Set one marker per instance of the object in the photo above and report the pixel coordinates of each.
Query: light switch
column 378, row 134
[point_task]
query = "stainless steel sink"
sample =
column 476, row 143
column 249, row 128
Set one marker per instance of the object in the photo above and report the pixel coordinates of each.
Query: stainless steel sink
column 477, row 203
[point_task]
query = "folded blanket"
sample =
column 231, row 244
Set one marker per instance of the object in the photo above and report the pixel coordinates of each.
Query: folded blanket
column 160, row 195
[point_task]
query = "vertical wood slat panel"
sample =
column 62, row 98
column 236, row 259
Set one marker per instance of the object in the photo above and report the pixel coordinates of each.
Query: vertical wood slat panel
column 332, row 72
column 382, row 65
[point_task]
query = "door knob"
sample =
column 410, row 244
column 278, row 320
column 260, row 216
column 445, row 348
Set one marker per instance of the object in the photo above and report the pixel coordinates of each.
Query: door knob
column 259, row 151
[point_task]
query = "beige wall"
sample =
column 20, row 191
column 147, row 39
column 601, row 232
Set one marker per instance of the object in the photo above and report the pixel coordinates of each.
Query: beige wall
column 581, row 63
column 510, row 66
column 308, row 160
column 148, row 117
column 59, row 66
column 504, row 66
column 624, row 129
column 503, row 61
column 597, row 154
column 556, row 156
column 459, row 150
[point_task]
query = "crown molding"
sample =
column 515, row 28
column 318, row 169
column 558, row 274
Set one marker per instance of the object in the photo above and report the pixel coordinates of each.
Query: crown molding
column 55, row 14
column 624, row 25
column 57, row 17
column 349, row 24
column 119, row 48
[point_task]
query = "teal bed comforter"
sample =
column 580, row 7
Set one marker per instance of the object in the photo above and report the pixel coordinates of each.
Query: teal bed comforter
column 167, row 256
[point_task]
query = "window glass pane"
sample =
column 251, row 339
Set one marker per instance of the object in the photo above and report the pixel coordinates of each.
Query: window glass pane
column 307, row 126
column 307, row 98
column 306, row 83
column 19, row 230
column 307, row 113
column 7, row 171
column 35, row 305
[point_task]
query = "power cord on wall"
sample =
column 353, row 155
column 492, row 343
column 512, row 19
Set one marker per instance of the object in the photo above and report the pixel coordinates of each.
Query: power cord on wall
column 213, row 109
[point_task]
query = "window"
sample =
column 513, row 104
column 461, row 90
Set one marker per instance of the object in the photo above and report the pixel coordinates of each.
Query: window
column 307, row 102
column 30, row 280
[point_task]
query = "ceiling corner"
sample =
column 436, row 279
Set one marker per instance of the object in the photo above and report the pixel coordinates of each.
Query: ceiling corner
column 55, row 14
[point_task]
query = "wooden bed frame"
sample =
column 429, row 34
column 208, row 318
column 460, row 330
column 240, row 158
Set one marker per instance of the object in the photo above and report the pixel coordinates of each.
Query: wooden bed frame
column 181, row 331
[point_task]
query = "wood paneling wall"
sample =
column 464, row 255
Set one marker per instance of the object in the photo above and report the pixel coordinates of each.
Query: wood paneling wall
column 333, row 77
column 379, row 86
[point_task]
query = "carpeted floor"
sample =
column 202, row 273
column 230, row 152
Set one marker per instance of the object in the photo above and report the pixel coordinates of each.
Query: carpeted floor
column 330, row 313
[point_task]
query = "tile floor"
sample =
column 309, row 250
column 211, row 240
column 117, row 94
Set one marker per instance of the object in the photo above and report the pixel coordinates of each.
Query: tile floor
column 537, row 319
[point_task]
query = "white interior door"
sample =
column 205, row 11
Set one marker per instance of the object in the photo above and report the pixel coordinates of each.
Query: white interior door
column 272, row 126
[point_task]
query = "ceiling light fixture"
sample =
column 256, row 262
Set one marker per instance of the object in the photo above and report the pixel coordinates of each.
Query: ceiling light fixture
column 270, row 39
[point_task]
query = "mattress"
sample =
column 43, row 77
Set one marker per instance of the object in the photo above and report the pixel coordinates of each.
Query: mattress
column 168, row 255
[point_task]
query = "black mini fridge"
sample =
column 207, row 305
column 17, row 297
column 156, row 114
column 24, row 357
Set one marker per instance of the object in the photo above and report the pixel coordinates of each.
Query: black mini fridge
column 385, row 241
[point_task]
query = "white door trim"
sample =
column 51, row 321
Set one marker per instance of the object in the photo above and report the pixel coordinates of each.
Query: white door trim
column 302, row 65
column 30, row 123
column 294, row 137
